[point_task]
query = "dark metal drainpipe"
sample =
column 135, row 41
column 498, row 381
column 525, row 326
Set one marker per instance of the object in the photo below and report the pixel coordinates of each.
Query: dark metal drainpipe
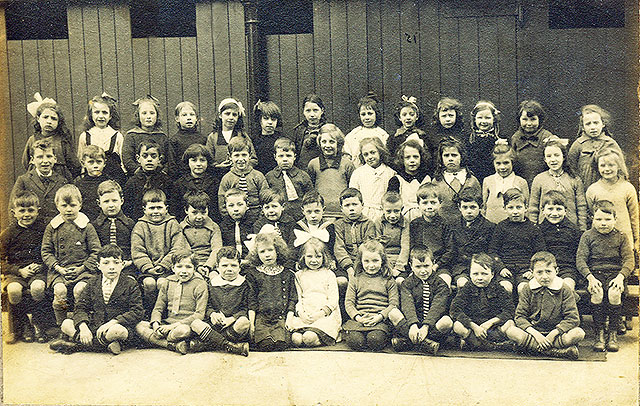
column 256, row 56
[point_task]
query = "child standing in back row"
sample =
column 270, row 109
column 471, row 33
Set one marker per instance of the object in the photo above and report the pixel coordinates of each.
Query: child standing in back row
column 370, row 117
column 485, row 131
column 306, row 132
column 188, row 133
column 409, row 119
column 447, row 121
column 269, row 119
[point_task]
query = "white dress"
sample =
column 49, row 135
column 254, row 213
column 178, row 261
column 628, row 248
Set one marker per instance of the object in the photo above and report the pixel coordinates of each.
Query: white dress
column 317, row 289
column 372, row 183
column 352, row 141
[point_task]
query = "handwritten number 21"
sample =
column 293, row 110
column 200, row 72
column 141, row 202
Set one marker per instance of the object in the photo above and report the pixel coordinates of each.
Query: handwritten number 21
column 411, row 38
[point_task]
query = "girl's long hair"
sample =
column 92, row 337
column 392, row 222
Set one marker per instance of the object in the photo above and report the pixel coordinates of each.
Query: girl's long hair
column 617, row 156
column 114, row 121
column 61, row 130
column 156, row 105
column 497, row 117
column 594, row 108
column 274, row 239
column 555, row 142
column 448, row 142
column 239, row 128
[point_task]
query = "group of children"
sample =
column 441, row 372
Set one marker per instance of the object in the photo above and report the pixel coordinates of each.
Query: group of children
column 311, row 238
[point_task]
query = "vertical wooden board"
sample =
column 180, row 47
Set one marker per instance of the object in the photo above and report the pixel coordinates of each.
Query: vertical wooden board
column 322, row 53
column 63, row 86
column 488, row 70
column 273, row 69
column 158, row 79
column 374, row 58
column 92, row 44
column 339, row 63
column 189, row 59
column 508, row 75
column 410, row 50
column 124, row 59
column 306, row 71
column 31, row 70
column 46, row 68
column 79, row 94
column 429, row 53
column 221, row 57
column 468, row 31
column 237, row 50
column 108, row 50
column 6, row 163
column 174, row 79
column 20, row 118
column 206, row 78
column 449, row 57
column 532, row 69
column 141, row 67
column 392, row 67
column 289, row 76
column 357, row 57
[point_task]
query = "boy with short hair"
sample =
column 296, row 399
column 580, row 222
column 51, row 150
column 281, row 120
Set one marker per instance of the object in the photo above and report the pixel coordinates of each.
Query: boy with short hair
column 242, row 176
column 236, row 226
column 351, row 231
column 605, row 258
column 22, row 269
column 430, row 230
column 41, row 179
column 107, row 311
column 423, row 300
column 514, row 240
column 154, row 240
column 547, row 319
column 181, row 300
column 392, row 230
column 469, row 235
column 93, row 162
column 273, row 214
column 482, row 310
column 560, row 235
column 112, row 225
column 202, row 234
column 226, row 323
column 149, row 175
column 69, row 250
column 288, row 180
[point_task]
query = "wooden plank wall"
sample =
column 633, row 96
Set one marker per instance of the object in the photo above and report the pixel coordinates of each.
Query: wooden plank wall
column 202, row 69
column 432, row 48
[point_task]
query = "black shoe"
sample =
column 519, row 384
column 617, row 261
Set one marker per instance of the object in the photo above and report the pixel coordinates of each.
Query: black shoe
column 599, row 343
column 622, row 328
column 64, row 346
column 400, row 344
column 429, row 346
column 181, row 346
column 568, row 353
column 39, row 334
column 507, row 346
column 27, row 334
column 237, row 348
column 197, row 345
column 612, row 342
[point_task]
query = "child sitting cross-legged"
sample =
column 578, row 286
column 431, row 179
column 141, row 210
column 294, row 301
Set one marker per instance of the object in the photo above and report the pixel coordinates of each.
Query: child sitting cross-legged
column 423, row 299
column 107, row 311
column 482, row 310
column 226, row 323
column 547, row 317
column 181, row 300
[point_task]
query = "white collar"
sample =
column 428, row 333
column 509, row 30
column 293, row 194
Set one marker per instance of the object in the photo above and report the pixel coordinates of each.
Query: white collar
column 81, row 221
column 556, row 284
column 41, row 175
column 461, row 175
column 217, row 280
column 102, row 131
column 114, row 282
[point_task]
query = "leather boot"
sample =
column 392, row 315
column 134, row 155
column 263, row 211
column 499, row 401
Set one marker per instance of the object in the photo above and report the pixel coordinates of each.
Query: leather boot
column 400, row 344
column 429, row 346
column 237, row 348
column 599, row 344
column 197, row 345
column 612, row 341
column 567, row 353
column 181, row 346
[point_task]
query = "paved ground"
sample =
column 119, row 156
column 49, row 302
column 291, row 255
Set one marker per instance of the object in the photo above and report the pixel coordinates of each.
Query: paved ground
column 35, row 375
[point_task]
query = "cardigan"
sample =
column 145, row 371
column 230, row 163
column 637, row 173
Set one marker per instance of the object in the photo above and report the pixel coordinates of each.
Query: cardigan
column 349, row 235
column 272, row 296
column 124, row 306
column 606, row 253
column 193, row 300
column 547, row 308
column 204, row 241
column 572, row 190
column 625, row 200
column 468, row 304
column 331, row 180
column 154, row 244
column 230, row 298
column 582, row 154
column 371, row 294
column 411, row 300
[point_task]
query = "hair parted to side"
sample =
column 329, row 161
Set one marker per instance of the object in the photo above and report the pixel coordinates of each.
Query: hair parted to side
column 94, row 152
column 229, row 253
column 184, row 254
column 391, row 198
column 558, row 143
column 282, row 251
column 314, row 98
column 513, row 194
column 154, row 196
column 311, row 197
column 333, row 131
column 238, row 144
column 197, row 199
column 284, row 144
column 350, row 192
column 235, row 192
column 43, row 145
column 468, row 195
column 429, row 190
column 383, row 152
column 149, row 144
column 421, row 253
column 531, row 108
column 181, row 106
column 270, row 196
column 605, row 206
column 376, row 247
column 109, row 186
column 110, row 251
column 543, row 256
column 484, row 260
column 554, row 197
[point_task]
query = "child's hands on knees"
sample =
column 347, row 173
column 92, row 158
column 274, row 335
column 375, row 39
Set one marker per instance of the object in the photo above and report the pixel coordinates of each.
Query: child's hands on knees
column 594, row 284
column 543, row 342
column 373, row 319
column 71, row 273
column 528, row 275
column 85, row 334
column 28, row 271
column 423, row 332
column 413, row 333
column 61, row 270
column 617, row 283
column 505, row 273
column 228, row 321
column 479, row 331
column 217, row 319
column 102, row 330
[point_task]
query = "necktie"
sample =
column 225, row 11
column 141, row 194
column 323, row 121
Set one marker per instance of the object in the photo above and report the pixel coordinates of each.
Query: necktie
column 238, row 239
column 426, row 300
column 177, row 296
column 456, row 185
column 112, row 232
column 289, row 188
column 107, row 290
